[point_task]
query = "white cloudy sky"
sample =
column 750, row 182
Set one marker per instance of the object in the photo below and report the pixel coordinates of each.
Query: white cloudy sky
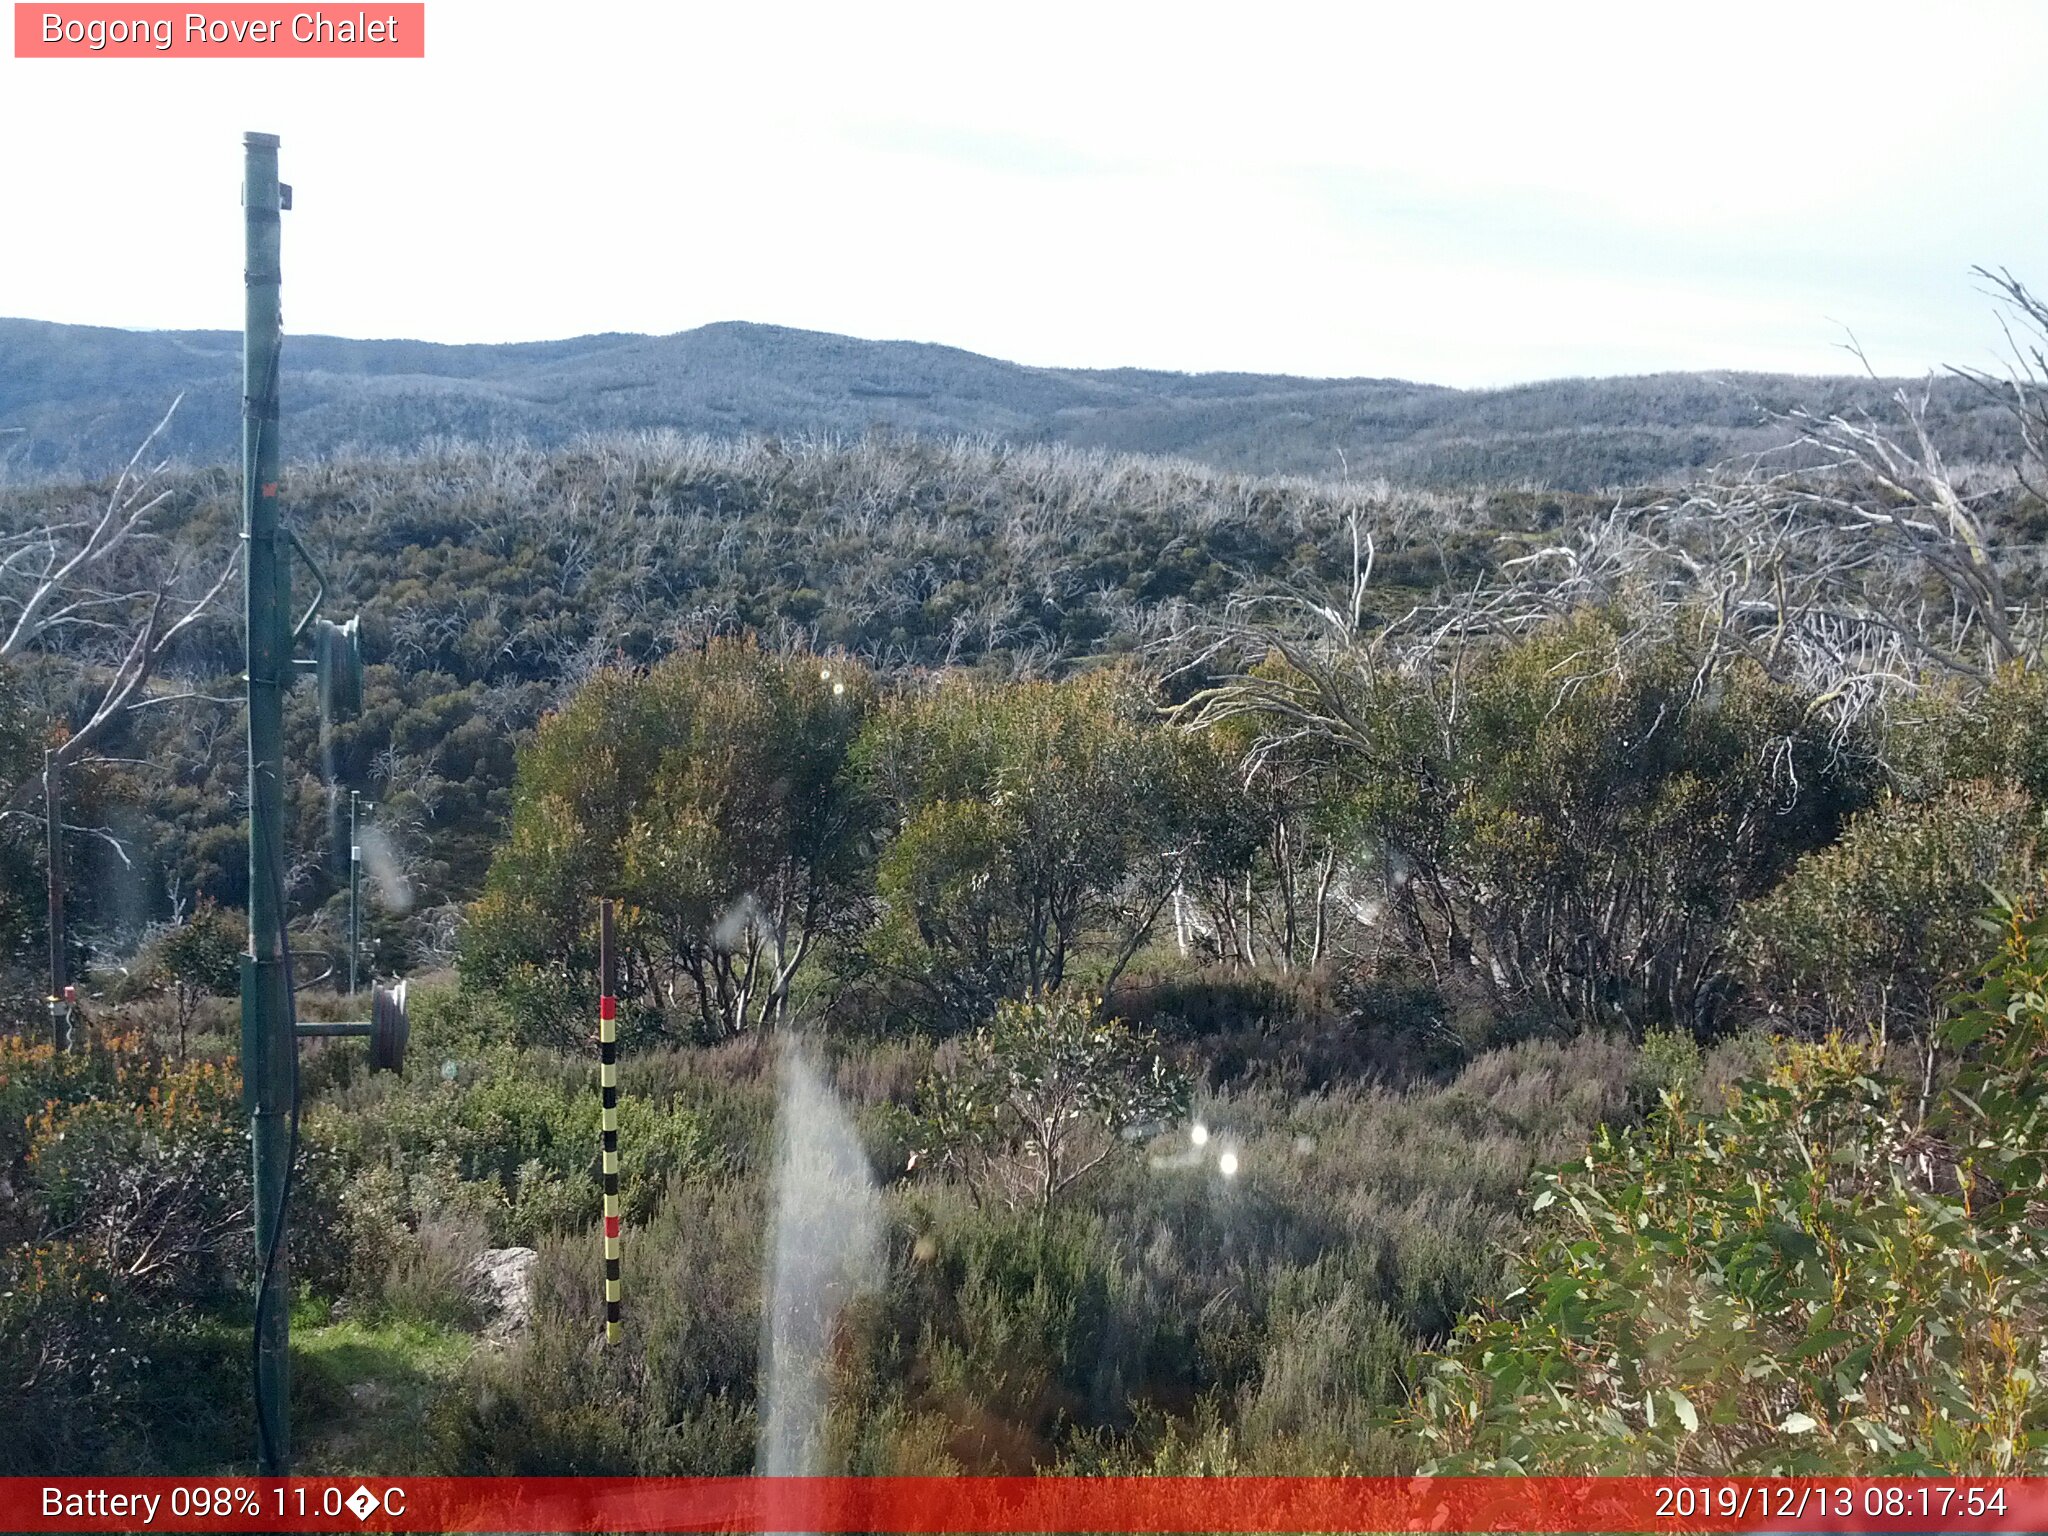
column 1464, row 194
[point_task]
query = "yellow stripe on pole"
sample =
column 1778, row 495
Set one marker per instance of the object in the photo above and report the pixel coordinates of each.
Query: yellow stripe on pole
column 608, row 1085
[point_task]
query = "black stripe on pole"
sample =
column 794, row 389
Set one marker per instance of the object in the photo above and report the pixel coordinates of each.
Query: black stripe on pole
column 611, row 1183
column 608, row 1052
column 611, row 1095
column 611, row 1140
column 611, row 1269
column 611, row 1311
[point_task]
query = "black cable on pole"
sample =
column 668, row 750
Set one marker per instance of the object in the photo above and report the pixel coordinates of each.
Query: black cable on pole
column 291, row 1162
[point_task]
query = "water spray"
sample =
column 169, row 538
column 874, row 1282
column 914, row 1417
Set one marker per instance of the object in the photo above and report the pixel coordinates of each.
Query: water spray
column 825, row 1250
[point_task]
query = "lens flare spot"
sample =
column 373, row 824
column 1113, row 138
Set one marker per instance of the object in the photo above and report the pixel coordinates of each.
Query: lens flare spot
column 1198, row 1133
column 1227, row 1165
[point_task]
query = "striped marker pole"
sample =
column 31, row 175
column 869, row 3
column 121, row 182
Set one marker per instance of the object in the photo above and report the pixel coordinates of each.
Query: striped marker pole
column 608, row 1087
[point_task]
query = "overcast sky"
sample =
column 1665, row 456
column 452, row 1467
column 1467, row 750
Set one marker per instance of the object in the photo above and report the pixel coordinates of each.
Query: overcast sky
column 1464, row 195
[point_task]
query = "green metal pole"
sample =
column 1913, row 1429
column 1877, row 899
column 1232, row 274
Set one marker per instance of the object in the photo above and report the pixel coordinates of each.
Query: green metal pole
column 267, row 1043
column 53, row 836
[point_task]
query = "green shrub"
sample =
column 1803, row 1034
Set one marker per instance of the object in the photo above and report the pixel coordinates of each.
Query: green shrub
column 1879, row 929
column 1581, row 840
column 152, row 1180
column 511, row 1137
column 192, row 960
column 1045, row 1094
column 122, row 1222
column 1038, row 828
column 1817, row 1280
column 1670, row 1061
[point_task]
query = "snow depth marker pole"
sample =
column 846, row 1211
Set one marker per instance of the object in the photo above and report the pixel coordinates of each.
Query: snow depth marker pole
column 608, row 1087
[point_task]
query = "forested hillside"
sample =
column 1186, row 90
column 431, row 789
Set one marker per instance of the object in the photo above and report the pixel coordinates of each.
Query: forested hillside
column 492, row 584
column 76, row 399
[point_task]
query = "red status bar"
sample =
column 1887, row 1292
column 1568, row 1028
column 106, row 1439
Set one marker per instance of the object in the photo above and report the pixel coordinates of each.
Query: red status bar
column 1017, row 1504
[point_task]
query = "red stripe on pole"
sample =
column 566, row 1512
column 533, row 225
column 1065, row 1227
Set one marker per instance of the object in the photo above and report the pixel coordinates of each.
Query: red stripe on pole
column 611, row 1226
column 607, row 1007
column 1036, row 1504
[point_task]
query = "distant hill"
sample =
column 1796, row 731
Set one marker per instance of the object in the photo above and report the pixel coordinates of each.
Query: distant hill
column 81, row 397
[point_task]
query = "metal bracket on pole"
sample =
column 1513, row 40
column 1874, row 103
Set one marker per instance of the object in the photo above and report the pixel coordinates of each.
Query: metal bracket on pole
column 388, row 1029
column 319, row 582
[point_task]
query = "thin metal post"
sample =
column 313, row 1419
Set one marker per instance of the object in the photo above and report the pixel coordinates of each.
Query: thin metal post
column 608, row 1089
column 268, row 1047
column 53, row 836
column 355, row 890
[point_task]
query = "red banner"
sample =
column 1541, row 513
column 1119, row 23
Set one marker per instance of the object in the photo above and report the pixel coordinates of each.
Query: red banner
column 1017, row 1504
column 224, row 31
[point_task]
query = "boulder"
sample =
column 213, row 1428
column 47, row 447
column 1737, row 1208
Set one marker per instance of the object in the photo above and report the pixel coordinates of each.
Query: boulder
column 504, row 1280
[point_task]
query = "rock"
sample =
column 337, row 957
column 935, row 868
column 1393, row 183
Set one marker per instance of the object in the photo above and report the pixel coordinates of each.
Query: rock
column 504, row 1280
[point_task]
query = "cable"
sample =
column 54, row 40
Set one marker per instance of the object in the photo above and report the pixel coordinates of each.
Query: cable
column 291, row 1157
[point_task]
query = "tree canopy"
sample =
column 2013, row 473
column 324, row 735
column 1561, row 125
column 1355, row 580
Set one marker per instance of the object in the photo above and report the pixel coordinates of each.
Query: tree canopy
column 712, row 797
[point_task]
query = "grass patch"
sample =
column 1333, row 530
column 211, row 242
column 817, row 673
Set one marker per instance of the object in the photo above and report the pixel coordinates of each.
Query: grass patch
column 363, row 1389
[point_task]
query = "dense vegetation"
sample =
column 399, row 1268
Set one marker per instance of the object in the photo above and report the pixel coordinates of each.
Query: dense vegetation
column 1837, row 1270
column 492, row 585
column 1319, row 978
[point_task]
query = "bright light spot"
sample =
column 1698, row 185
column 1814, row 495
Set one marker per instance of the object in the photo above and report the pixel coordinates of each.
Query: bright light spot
column 1199, row 1134
column 1227, row 1165
column 838, row 688
column 824, row 674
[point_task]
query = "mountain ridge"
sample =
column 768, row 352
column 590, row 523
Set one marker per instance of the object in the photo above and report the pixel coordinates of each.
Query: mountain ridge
column 79, row 399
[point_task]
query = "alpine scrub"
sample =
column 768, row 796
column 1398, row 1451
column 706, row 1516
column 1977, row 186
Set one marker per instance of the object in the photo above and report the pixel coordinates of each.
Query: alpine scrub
column 1819, row 1278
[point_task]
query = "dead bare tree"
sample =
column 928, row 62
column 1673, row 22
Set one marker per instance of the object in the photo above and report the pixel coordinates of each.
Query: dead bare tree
column 110, row 590
column 2023, row 387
